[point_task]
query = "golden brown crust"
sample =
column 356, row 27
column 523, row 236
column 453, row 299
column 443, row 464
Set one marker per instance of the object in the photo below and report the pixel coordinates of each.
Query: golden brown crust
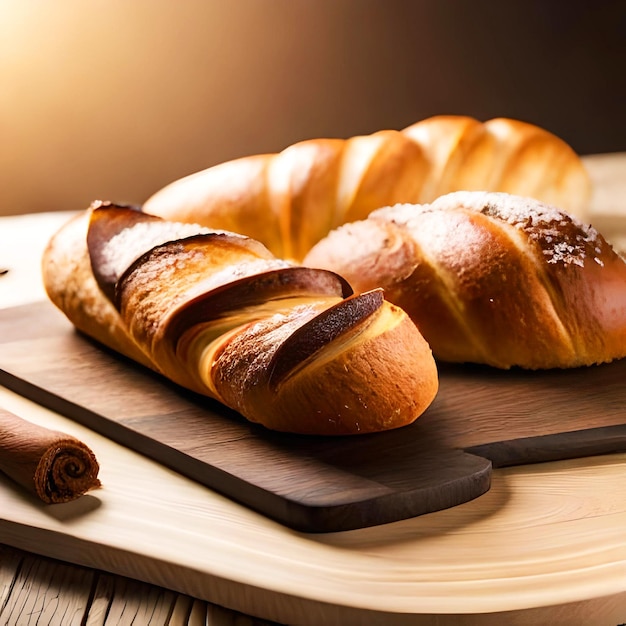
column 378, row 375
column 491, row 278
column 292, row 199
column 71, row 285
column 500, row 154
column 217, row 313
column 369, row 359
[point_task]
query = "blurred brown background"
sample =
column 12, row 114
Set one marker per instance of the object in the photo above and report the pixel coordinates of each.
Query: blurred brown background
column 114, row 99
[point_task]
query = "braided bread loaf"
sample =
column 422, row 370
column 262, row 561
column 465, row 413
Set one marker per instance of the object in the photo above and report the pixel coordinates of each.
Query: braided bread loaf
column 292, row 199
column 288, row 347
column 490, row 278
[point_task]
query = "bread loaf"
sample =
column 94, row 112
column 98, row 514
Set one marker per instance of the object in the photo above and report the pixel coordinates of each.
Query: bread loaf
column 288, row 347
column 292, row 199
column 490, row 278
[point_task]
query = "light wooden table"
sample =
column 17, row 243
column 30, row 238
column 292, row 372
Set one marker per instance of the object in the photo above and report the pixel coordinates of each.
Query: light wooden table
column 546, row 544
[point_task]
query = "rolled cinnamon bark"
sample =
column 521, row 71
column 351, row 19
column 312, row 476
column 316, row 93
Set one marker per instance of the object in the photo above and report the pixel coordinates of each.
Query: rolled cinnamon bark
column 53, row 465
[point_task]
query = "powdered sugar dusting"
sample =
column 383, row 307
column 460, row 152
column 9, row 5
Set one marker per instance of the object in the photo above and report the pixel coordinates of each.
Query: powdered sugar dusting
column 562, row 237
column 244, row 360
column 123, row 249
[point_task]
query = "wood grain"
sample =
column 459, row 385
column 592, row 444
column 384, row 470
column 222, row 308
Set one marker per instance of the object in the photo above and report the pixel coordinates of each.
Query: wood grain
column 545, row 546
column 546, row 543
column 314, row 484
column 35, row 590
column 319, row 484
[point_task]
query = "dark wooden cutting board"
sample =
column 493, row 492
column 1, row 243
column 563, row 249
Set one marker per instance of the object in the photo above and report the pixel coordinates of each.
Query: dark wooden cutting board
column 481, row 418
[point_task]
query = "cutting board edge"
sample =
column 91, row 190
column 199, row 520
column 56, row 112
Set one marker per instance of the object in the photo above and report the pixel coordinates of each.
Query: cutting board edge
column 299, row 516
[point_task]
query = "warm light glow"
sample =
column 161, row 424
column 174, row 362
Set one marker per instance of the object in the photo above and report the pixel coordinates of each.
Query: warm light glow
column 112, row 99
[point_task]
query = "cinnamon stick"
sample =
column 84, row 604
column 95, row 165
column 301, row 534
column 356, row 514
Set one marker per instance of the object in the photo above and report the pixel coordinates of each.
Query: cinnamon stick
column 53, row 465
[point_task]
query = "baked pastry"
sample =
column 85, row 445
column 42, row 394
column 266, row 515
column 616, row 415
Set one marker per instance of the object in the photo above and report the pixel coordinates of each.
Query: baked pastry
column 289, row 347
column 490, row 278
column 54, row 466
column 292, row 199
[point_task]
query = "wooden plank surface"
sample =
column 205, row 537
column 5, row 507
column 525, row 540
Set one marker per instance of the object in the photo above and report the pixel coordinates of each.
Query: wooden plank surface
column 547, row 541
column 319, row 484
column 36, row 590
column 314, row 484
column 545, row 545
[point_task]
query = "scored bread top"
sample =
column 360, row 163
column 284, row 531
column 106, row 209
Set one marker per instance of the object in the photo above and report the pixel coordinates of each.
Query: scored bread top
column 491, row 278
